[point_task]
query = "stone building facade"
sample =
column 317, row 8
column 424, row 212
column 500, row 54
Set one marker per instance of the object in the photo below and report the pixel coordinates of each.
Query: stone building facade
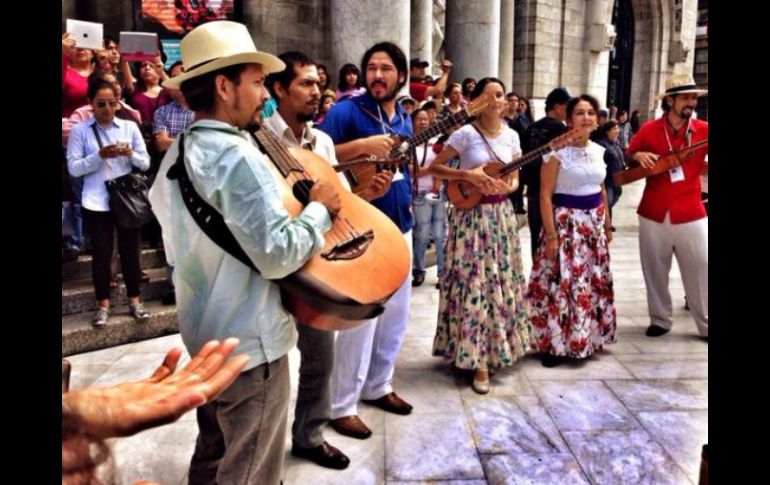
column 532, row 45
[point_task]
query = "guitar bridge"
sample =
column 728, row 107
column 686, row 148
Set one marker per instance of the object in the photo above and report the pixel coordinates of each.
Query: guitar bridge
column 350, row 248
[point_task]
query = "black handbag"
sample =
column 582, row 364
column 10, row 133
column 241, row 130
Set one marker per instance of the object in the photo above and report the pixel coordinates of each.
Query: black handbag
column 128, row 200
column 129, row 203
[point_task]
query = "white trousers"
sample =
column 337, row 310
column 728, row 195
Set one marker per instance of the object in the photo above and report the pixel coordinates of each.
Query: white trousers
column 365, row 356
column 689, row 242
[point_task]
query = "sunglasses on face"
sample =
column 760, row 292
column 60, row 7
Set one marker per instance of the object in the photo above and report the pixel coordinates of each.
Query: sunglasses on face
column 102, row 104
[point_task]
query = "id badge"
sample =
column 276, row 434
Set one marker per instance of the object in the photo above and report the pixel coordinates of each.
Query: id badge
column 676, row 174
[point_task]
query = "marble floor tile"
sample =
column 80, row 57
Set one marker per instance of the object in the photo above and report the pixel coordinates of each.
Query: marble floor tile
column 439, row 482
column 422, row 447
column 83, row 375
column 160, row 344
column 511, row 425
column 682, row 434
column 583, row 406
column 661, row 395
column 415, row 353
column 131, row 367
column 599, row 366
column 533, row 469
column 159, row 454
column 104, row 356
column 673, row 343
column 612, row 457
column 667, row 366
column 428, row 392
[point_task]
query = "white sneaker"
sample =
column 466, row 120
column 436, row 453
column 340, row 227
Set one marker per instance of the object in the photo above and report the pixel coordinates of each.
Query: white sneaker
column 101, row 316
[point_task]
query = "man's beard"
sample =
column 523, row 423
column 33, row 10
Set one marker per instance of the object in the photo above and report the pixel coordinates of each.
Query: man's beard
column 388, row 96
column 686, row 112
column 305, row 117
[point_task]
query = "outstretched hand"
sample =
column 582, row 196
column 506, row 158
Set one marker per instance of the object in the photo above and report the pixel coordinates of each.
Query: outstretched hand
column 130, row 407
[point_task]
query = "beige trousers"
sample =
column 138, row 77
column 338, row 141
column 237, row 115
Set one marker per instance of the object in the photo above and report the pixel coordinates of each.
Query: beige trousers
column 689, row 242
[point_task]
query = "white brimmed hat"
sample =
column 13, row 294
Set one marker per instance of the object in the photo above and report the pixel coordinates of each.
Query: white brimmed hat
column 219, row 44
column 681, row 84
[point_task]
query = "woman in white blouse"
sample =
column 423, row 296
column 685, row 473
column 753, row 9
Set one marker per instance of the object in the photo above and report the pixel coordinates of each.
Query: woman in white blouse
column 570, row 287
column 483, row 322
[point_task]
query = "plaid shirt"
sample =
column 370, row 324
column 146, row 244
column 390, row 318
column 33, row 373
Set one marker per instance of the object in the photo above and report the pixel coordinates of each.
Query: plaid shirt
column 172, row 118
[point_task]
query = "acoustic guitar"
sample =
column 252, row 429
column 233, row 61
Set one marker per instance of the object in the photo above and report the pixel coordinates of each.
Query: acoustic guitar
column 364, row 259
column 662, row 164
column 465, row 195
column 360, row 171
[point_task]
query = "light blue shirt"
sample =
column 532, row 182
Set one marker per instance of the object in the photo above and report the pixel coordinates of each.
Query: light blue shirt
column 217, row 295
column 83, row 158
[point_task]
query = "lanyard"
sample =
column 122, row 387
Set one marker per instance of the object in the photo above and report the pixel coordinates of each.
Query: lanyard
column 687, row 141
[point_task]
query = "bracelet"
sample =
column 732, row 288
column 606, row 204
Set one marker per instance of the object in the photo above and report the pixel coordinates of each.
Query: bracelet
column 550, row 237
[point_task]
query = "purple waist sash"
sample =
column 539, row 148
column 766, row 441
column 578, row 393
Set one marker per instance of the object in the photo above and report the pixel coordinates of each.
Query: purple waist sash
column 583, row 202
column 493, row 199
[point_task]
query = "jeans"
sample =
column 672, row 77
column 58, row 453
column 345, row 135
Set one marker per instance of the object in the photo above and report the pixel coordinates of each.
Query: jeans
column 75, row 239
column 430, row 221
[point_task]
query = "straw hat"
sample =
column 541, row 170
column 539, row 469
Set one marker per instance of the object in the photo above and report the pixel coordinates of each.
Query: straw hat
column 681, row 84
column 216, row 45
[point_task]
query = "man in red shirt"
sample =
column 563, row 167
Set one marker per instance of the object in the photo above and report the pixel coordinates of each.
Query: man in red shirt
column 417, row 87
column 672, row 219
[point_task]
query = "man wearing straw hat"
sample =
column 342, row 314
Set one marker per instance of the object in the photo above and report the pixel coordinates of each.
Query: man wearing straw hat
column 672, row 219
column 242, row 432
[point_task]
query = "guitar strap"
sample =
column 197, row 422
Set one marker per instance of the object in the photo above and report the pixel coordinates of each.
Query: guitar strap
column 207, row 217
column 489, row 147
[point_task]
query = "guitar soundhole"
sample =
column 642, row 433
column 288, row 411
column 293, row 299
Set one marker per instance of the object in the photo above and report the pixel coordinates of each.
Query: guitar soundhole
column 301, row 191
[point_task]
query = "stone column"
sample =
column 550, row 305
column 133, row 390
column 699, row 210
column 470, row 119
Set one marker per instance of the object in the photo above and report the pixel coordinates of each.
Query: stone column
column 473, row 38
column 421, row 42
column 358, row 25
column 598, row 14
column 506, row 43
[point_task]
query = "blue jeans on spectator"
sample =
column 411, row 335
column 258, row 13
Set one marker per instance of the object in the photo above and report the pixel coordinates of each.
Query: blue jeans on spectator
column 75, row 240
column 430, row 221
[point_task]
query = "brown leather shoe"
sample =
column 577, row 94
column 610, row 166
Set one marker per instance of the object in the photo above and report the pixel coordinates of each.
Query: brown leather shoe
column 391, row 403
column 325, row 455
column 351, row 426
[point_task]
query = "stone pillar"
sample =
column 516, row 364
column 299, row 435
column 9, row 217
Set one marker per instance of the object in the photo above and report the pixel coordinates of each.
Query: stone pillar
column 421, row 41
column 506, row 43
column 473, row 38
column 358, row 25
column 598, row 16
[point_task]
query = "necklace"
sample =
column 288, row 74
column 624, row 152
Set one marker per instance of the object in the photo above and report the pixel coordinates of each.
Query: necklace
column 498, row 130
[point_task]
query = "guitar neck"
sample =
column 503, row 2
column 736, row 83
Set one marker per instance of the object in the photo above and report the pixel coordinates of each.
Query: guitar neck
column 437, row 128
column 527, row 158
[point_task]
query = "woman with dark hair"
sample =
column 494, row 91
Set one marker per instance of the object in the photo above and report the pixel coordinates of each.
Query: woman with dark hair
column 469, row 84
column 635, row 122
column 570, row 287
column 483, row 320
column 607, row 136
column 99, row 149
column 454, row 93
column 350, row 83
column 323, row 76
column 149, row 94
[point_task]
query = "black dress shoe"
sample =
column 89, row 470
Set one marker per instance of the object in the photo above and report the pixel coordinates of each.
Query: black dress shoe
column 550, row 360
column 655, row 331
column 170, row 298
column 418, row 280
column 391, row 403
column 325, row 455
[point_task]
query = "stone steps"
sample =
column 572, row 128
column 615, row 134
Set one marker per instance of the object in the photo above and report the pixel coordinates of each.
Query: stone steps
column 78, row 295
column 81, row 269
column 78, row 335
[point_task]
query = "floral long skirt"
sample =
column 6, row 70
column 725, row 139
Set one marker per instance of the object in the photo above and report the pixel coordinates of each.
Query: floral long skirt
column 483, row 318
column 572, row 300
